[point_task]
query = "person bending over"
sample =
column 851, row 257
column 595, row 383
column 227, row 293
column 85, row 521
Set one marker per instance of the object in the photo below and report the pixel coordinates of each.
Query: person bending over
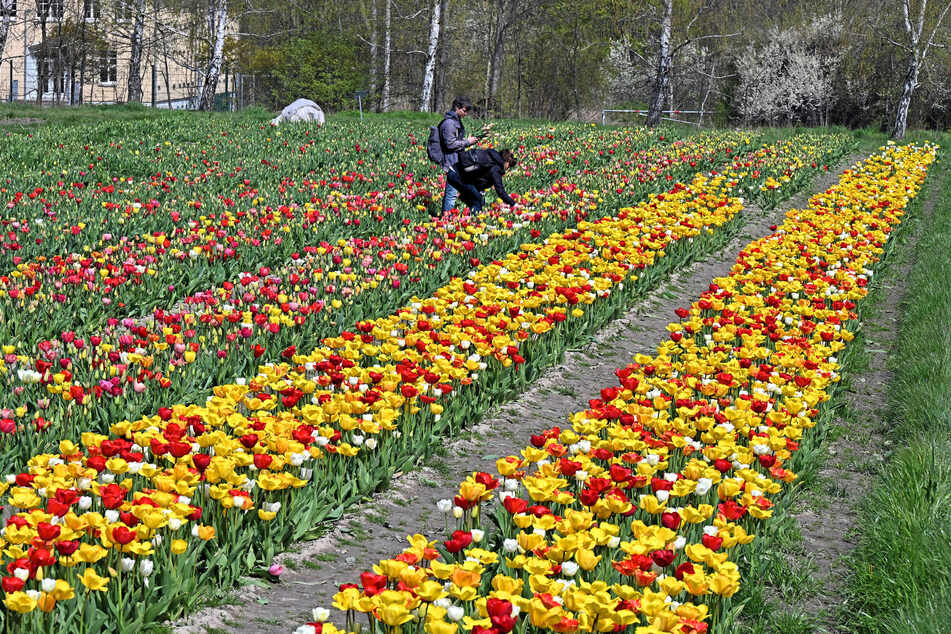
column 482, row 169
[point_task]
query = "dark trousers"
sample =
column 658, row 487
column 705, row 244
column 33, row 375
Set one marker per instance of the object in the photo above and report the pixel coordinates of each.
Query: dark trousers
column 469, row 194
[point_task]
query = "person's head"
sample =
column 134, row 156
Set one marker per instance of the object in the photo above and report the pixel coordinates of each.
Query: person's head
column 508, row 158
column 461, row 106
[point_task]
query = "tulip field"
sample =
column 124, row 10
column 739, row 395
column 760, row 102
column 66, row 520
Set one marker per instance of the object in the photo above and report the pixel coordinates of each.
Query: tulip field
column 217, row 338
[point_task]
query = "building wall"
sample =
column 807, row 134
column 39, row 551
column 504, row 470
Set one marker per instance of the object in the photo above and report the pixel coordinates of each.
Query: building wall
column 20, row 80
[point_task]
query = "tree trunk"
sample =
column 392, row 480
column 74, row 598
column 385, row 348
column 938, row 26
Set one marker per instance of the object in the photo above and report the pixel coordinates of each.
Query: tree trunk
column 662, row 77
column 706, row 94
column 135, row 53
column 504, row 17
column 217, row 20
column 387, row 40
column 904, row 103
column 374, row 54
column 425, row 98
column 82, row 58
column 58, row 72
column 168, row 88
column 42, row 60
column 6, row 21
column 442, row 64
column 495, row 55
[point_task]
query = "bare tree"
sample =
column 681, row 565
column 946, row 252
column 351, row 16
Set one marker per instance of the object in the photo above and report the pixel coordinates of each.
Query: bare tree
column 504, row 17
column 7, row 14
column 442, row 55
column 425, row 99
column 374, row 53
column 135, row 51
column 387, row 48
column 217, row 21
column 916, row 49
column 664, row 17
column 42, row 11
column 664, row 59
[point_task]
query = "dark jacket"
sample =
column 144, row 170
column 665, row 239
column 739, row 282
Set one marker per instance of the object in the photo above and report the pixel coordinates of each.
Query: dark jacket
column 453, row 137
column 485, row 170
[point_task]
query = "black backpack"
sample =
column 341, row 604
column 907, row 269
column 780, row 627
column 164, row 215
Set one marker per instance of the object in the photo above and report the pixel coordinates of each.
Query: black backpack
column 471, row 163
column 434, row 145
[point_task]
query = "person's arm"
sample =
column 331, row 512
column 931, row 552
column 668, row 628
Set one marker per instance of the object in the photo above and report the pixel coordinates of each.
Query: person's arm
column 500, row 187
column 452, row 139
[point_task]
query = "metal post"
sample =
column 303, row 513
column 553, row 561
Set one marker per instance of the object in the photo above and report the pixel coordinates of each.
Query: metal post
column 360, row 106
column 604, row 117
column 11, row 81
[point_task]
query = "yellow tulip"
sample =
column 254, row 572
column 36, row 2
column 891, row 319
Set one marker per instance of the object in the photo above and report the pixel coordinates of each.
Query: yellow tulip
column 93, row 581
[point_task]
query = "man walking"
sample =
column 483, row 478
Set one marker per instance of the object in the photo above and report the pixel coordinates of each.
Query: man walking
column 452, row 135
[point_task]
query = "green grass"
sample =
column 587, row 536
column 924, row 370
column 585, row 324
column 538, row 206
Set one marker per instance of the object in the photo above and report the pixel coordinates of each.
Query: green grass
column 901, row 569
column 81, row 115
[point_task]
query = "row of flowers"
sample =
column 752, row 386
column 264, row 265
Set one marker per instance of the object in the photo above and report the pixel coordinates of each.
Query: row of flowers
column 126, row 271
column 130, row 514
column 150, row 177
column 225, row 331
column 634, row 516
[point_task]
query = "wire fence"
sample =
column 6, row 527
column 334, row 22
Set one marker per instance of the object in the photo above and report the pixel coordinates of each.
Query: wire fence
column 604, row 115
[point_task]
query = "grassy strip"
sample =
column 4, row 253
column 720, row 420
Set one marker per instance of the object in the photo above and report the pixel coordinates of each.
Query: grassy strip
column 901, row 570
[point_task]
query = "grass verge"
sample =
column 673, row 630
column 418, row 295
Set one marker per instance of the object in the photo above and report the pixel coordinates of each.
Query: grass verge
column 901, row 569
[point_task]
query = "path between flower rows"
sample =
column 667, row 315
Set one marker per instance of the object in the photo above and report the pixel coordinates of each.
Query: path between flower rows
column 377, row 528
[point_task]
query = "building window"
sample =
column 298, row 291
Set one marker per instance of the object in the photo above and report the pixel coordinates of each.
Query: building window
column 51, row 75
column 108, row 66
column 8, row 7
column 51, row 9
column 124, row 10
column 92, row 10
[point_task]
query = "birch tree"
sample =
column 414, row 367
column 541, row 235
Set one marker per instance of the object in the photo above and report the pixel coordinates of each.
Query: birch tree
column 442, row 58
column 217, row 21
column 916, row 46
column 387, row 49
column 135, row 51
column 425, row 99
column 673, row 30
column 664, row 58
column 374, row 53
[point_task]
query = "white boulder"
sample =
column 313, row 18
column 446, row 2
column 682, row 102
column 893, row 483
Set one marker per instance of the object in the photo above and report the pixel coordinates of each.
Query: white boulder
column 301, row 110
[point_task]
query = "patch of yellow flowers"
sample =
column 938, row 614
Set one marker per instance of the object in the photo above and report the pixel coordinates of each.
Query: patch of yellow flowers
column 632, row 518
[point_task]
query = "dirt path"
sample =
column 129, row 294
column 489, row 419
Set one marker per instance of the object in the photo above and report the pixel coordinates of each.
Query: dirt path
column 854, row 458
column 377, row 528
